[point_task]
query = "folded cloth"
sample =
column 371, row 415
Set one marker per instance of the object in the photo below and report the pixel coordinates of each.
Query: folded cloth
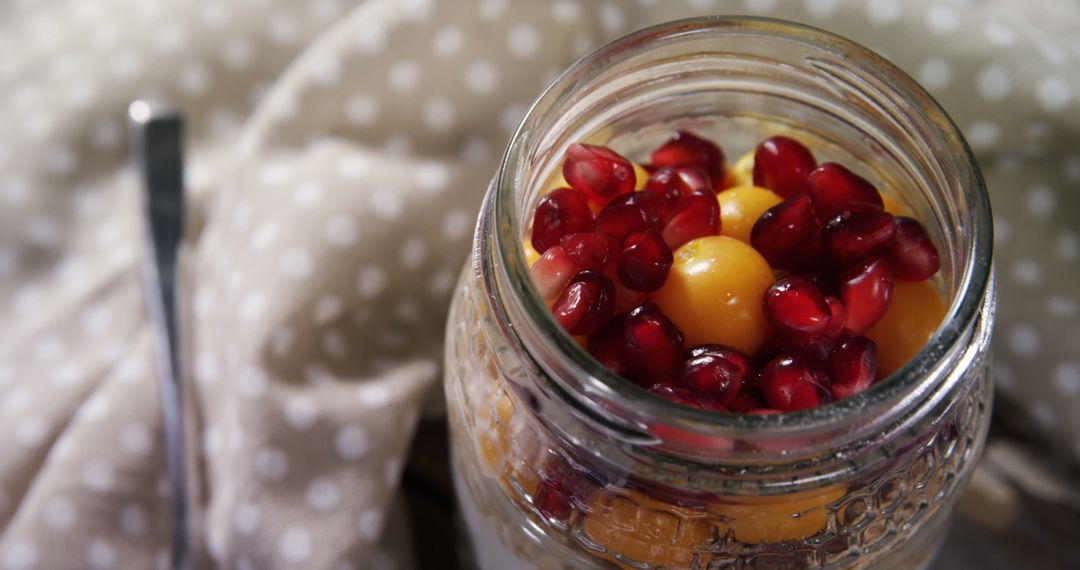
column 337, row 156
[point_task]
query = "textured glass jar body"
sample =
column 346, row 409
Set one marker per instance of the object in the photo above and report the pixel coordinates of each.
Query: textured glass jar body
column 558, row 464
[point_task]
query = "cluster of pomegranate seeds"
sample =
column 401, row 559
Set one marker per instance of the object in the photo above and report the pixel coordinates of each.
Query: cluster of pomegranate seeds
column 606, row 248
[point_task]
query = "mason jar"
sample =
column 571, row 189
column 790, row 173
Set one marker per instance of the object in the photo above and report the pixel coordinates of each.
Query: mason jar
column 559, row 463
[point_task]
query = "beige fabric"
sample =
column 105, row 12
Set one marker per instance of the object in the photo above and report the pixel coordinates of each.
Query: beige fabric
column 338, row 152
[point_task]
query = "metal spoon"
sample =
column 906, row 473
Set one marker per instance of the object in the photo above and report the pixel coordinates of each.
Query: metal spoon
column 157, row 136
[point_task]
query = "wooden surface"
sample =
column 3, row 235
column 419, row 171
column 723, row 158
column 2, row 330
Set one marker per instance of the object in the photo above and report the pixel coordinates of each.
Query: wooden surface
column 1044, row 536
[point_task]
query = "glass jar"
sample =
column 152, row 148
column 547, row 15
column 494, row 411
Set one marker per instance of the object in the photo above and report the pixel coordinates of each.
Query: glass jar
column 559, row 463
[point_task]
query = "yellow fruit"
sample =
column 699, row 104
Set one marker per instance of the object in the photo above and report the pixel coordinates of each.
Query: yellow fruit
column 777, row 519
column 530, row 254
column 714, row 291
column 641, row 176
column 741, row 173
column 741, row 206
column 915, row 312
column 894, row 206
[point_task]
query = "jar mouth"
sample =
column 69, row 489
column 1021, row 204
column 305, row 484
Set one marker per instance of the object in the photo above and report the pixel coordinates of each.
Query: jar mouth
column 518, row 297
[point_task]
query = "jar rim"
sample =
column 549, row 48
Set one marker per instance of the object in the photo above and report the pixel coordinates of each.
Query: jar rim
column 917, row 375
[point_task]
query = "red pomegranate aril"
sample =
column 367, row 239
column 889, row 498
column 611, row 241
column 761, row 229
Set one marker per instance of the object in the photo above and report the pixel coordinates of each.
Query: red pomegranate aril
column 674, row 394
column 912, row 254
column 851, row 236
column 837, row 319
column 631, row 213
column 852, row 366
column 688, row 149
column 589, row 250
column 696, row 215
column 795, row 306
column 744, row 403
column 788, row 235
column 597, row 171
column 790, row 383
column 552, row 499
column 562, row 212
column 716, row 372
column 835, row 189
column 667, row 183
column 586, row 303
column 653, row 344
column 866, row 289
column 625, row 299
column 608, row 346
column 695, row 178
column 552, row 271
column 783, row 165
column 644, row 261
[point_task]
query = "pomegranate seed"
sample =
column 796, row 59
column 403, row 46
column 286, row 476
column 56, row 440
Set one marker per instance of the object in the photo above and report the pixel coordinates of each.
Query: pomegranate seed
column 598, row 171
column 586, row 303
column 667, row 183
column 608, row 346
column 744, row 403
column 851, row 236
column 788, row 235
column 837, row 319
column 625, row 299
column 552, row 271
column 696, row 215
column 644, row 261
column 782, row 165
column 716, row 372
column 562, row 212
column 590, row 250
column 688, row 149
column 852, row 365
column 632, row 213
column 790, row 383
column 653, row 344
column 796, row 307
column 866, row 290
column 912, row 254
column 695, row 178
column 677, row 395
column 835, row 189
column 552, row 499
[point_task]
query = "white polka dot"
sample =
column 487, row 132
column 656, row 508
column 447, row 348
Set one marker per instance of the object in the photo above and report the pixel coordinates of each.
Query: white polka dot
column 371, row 40
column 1024, row 340
column 404, row 75
column 237, row 52
column 246, row 519
column 413, row 253
column 59, row 513
column 511, row 115
column 297, row 264
column 133, row 520
column 417, row 10
column 1027, row 272
column 983, row 134
column 1002, row 231
column 612, row 18
column 61, row 161
column 1067, row 247
column 251, row 383
column 759, row 6
column 20, row 556
column 341, row 231
column 271, row 464
column 523, row 40
column 361, row 110
column 374, row 396
column 327, row 71
column 482, row 77
column 882, row 12
column 999, row 33
column 300, row 412
column 387, row 203
column 1062, row 307
column 448, row 41
column 100, row 554
column 42, row 230
column 295, row 545
column 407, row 311
column 281, row 341
column 351, row 442
column 370, row 524
column 96, row 409
column 265, row 235
column 566, row 11
column 1054, row 93
column 371, row 282
column 1041, row 201
column 475, row 150
column 323, row 495
column 431, row 177
column 442, row 282
column 457, row 224
column 135, row 440
column 68, row 374
column 252, row 305
column 354, row 166
column 1044, row 414
column 439, row 113
column 491, row 9
column 942, row 19
column 282, row 29
column 334, row 344
column 31, row 431
column 327, row 308
column 194, row 79
column 993, row 82
column 1067, row 378
column 98, row 476
column 126, row 65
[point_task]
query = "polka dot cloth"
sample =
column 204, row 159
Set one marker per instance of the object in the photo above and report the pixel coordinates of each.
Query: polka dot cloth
column 337, row 154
